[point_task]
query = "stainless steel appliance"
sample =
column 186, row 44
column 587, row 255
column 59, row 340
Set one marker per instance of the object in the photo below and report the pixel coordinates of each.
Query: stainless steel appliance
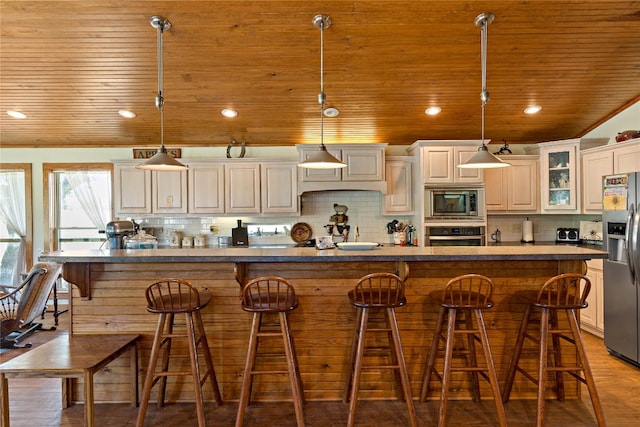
column 621, row 227
column 454, row 203
column 455, row 236
column 116, row 231
column 567, row 235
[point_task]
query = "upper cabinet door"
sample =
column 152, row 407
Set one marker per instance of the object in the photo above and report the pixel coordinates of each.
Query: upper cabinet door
column 279, row 181
column 399, row 174
column 558, row 166
column 206, row 188
column 131, row 189
column 594, row 167
column 242, row 188
column 169, row 191
column 513, row 189
column 627, row 157
column 363, row 164
column 440, row 165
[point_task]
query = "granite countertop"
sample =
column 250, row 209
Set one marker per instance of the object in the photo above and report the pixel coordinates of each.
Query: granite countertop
column 503, row 251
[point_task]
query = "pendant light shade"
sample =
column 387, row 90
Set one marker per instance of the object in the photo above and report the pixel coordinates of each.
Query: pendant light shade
column 161, row 161
column 483, row 158
column 321, row 159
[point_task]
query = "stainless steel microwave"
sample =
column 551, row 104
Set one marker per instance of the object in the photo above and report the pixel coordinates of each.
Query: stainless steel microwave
column 454, row 203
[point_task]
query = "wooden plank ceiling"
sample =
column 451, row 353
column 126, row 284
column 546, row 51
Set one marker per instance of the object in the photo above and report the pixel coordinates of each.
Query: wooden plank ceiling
column 71, row 65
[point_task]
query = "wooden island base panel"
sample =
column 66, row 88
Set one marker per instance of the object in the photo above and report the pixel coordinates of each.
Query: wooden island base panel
column 109, row 298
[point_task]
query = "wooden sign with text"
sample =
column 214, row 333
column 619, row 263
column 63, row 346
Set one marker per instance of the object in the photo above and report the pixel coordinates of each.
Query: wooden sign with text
column 147, row 153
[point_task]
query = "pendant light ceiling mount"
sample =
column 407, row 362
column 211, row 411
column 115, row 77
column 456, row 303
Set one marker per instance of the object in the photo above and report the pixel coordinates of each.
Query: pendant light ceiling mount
column 161, row 161
column 321, row 159
column 483, row 158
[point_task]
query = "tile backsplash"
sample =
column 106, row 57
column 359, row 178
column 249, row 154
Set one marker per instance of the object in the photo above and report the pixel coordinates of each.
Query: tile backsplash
column 364, row 212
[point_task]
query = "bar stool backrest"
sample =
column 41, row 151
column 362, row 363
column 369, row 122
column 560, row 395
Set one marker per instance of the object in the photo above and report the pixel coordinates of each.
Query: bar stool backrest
column 378, row 290
column 468, row 291
column 564, row 291
column 268, row 294
column 173, row 296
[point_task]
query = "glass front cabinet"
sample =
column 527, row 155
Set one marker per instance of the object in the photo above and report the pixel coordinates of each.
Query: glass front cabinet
column 559, row 169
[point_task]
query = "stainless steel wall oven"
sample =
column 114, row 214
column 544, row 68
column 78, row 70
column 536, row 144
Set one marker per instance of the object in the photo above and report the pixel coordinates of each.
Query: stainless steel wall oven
column 455, row 236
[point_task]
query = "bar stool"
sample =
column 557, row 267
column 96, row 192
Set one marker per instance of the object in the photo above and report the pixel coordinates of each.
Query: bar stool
column 378, row 291
column 563, row 293
column 169, row 297
column 270, row 295
column 463, row 298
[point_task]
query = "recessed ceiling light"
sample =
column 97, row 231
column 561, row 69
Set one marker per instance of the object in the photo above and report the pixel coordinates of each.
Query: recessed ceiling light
column 229, row 112
column 331, row 112
column 127, row 114
column 432, row 111
column 16, row 114
column 532, row 109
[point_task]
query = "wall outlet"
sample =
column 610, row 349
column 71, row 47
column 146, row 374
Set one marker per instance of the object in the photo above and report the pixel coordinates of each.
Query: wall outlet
column 516, row 228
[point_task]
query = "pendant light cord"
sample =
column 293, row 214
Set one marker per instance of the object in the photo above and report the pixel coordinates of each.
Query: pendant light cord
column 159, row 96
column 484, row 95
column 321, row 95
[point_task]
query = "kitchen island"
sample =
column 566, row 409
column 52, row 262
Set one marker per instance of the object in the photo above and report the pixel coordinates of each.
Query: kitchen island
column 108, row 297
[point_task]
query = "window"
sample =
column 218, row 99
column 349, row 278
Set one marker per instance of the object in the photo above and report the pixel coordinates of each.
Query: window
column 16, row 241
column 79, row 205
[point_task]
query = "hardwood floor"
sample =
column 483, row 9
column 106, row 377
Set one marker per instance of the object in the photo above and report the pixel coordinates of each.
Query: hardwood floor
column 37, row 402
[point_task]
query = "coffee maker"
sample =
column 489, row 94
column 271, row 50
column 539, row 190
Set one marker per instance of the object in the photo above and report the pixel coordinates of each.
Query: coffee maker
column 117, row 230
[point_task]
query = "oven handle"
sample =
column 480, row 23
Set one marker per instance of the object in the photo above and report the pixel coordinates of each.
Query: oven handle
column 474, row 237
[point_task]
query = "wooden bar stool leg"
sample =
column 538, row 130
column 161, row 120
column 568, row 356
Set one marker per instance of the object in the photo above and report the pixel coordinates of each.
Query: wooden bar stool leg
column 357, row 369
column 557, row 354
column 195, row 368
column 211, row 372
column 493, row 376
column 471, row 357
column 388, row 319
column 404, row 374
column 352, row 358
column 542, row 370
column 588, row 374
column 446, row 371
column 296, row 388
column 435, row 342
column 149, row 378
column 517, row 351
column 247, row 378
column 165, row 345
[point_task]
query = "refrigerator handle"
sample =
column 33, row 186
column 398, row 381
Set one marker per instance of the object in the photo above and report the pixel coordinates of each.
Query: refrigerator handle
column 628, row 243
column 635, row 245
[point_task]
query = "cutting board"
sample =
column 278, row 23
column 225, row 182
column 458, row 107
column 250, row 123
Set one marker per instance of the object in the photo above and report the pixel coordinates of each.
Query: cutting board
column 239, row 235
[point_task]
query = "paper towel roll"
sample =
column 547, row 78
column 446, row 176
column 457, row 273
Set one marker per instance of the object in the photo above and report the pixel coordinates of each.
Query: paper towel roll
column 527, row 231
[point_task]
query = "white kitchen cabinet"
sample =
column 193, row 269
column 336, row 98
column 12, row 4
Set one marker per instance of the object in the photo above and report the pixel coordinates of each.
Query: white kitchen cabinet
column 594, row 166
column 364, row 171
column 206, row 188
column 605, row 160
column 439, row 163
column 169, row 192
column 138, row 191
column 399, row 175
column 242, row 187
column 515, row 188
column 559, row 169
column 131, row 189
column 592, row 317
column 279, row 187
column 626, row 157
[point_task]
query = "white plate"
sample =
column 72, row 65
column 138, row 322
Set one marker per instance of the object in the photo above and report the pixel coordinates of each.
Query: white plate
column 356, row 246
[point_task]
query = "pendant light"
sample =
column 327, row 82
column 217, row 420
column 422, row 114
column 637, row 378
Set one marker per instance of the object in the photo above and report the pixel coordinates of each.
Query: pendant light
column 483, row 158
column 161, row 161
column 322, row 159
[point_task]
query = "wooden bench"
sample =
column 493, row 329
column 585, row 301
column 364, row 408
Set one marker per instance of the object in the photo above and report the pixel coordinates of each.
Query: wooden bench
column 68, row 357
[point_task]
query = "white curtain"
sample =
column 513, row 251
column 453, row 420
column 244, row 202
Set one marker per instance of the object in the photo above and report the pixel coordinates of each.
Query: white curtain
column 12, row 209
column 94, row 199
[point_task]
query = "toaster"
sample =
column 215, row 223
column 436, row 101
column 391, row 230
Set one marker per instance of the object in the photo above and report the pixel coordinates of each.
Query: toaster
column 567, row 235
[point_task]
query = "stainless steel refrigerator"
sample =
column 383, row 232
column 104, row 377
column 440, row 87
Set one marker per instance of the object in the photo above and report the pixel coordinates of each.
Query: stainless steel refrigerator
column 621, row 228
